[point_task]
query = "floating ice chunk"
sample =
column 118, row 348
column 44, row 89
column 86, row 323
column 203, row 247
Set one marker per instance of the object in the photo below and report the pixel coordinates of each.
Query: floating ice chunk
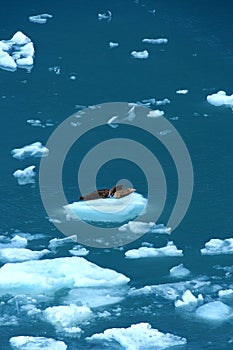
column 163, row 102
column 143, row 227
column 79, row 251
column 131, row 114
column 40, row 19
column 112, row 44
column 188, row 299
column 7, row 62
column 145, row 252
column 34, row 150
column 67, row 316
column 24, row 62
column 48, row 276
column 20, row 39
column 107, row 210
column 225, row 294
column 155, row 41
column 220, row 98
column 140, row 54
column 34, row 122
column 155, row 114
column 58, row 242
column 7, row 320
column 112, row 122
column 26, row 176
column 105, row 16
column 55, row 69
column 214, row 311
column 20, row 254
column 36, row 343
column 182, row 92
column 218, row 246
column 26, row 50
column 164, row 132
column 179, row 271
column 138, row 336
column 15, row 242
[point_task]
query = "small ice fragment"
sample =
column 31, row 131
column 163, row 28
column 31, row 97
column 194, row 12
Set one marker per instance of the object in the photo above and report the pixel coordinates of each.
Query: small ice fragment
column 12, row 255
column 36, row 343
column 188, row 299
column 105, row 16
column 140, row 227
column 26, row 176
column 7, row 62
column 155, row 114
column 169, row 250
column 131, row 114
column 218, row 246
column 220, row 98
column 79, row 251
column 34, row 150
column 40, row 19
column 112, row 123
column 214, row 311
column 179, row 271
column 155, row 41
column 112, row 44
column 20, row 39
column 163, row 102
column 140, row 54
column 182, row 92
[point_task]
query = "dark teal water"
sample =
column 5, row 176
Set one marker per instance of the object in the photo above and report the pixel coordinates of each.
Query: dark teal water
column 198, row 57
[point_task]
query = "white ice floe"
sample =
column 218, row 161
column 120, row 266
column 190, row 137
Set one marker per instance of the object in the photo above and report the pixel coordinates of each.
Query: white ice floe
column 155, row 114
column 36, row 343
column 55, row 243
column 20, row 254
column 107, row 210
column 140, row 54
column 105, row 16
column 145, row 252
column 26, row 176
column 40, row 19
column 65, row 317
column 214, row 311
column 163, row 102
column 143, row 227
column 220, row 98
column 188, row 299
column 179, row 271
column 225, row 294
column 218, row 246
column 34, row 150
column 49, row 276
column 16, row 52
column 138, row 336
column 15, row 242
column 112, row 122
column 155, row 41
column 112, row 44
column 182, row 92
column 79, row 251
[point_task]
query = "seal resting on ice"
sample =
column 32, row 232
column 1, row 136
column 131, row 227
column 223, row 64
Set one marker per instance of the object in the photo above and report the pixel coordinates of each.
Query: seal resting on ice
column 116, row 192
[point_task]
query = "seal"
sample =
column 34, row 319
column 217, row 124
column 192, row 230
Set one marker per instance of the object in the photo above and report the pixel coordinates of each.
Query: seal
column 116, row 191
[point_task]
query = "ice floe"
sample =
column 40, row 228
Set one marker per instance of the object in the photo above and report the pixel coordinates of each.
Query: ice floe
column 155, row 41
column 107, row 16
column 145, row 252
column 55, row 243
column 17, row 52
column 218, row 246
column 138, row 336
column 112, row 44
column 163, row 102
column 140, row 54
column 189, row 300
column 40, row 19
column 115, row 210
column 50, row 275
column 143, row 227
column 26, row 176
column 20, row 254
column 214, row 311
column 112, row 122
column 65, row 317
column 34, row 150
column 15, row 242
column 36, row 343
column 179, row 271
column 155, row 114
column 79, row 251
column 220, row 98
column 225, row 294
column 182, row 92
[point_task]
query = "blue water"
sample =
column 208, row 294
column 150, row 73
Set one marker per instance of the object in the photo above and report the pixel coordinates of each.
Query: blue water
column 198, row 57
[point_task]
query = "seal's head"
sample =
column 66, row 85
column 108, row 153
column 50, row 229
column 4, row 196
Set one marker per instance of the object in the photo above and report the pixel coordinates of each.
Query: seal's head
column 124, row 192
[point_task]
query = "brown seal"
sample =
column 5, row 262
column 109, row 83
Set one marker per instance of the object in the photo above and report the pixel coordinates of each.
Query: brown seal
column 116, row 192
column 123, row 192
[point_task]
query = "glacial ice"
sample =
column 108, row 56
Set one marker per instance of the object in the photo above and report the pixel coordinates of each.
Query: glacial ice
column 214, row 311
column 218, row 246
column 15, row 242
column 112, row 44
column 107, row 210
column 25, row 176
column 79, row 251
column 220, row 98
column 54, row 243
column 112, row 122
column 10, row 255
column 225, row 293
column 40, row 19
column 16, row 52
column 36, row 343
column 188, row 299
column 179, row 271
column 155, row 41
column 64, row 317
column 140, row 54
column 144, row 252
column 48, row 276
column 182, row 92
column 34, row 150
column 155, row 114
column 105, row 16
column 138, row 336
column 143, row 227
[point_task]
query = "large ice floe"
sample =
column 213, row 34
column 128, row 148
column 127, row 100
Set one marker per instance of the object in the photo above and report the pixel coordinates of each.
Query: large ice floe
column 40, row 19
column 36, row 343
column 49, row 276
column 147, row 252
column 25, row 176
column 18, row 52
column 215, row 311
column 138, row 336
column 143, row 227
column 20, row 254
column 218, row 246
column 114, row 210
column 220, row 99
column 34, row 150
